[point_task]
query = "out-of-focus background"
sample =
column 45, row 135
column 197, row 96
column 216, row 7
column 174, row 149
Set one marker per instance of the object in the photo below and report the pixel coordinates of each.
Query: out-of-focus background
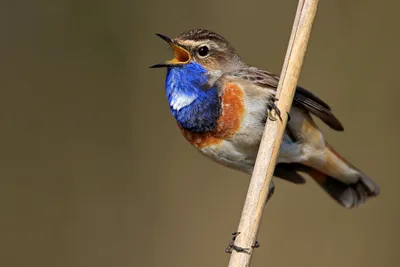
column 94, row 171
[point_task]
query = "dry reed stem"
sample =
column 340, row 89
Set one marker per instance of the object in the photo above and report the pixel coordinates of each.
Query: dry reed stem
column 273, row 133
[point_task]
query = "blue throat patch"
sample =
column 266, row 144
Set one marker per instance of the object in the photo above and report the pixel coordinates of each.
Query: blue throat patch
column 195, row 107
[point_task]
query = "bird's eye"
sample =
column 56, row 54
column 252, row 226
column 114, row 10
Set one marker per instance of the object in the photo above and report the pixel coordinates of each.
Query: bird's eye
column 203, row 51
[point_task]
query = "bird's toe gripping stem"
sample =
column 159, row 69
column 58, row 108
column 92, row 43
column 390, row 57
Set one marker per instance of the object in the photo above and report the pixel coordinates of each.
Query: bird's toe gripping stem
column 274, row 107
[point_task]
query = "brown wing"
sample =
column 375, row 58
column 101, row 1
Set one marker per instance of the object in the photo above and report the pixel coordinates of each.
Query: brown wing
column 302, row 97
column 316, row 106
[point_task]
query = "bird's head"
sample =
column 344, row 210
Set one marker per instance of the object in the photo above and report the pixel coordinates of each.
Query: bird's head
column 203, row 47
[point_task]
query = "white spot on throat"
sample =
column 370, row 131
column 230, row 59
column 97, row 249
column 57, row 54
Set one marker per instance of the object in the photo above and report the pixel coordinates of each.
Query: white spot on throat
column 181, row 100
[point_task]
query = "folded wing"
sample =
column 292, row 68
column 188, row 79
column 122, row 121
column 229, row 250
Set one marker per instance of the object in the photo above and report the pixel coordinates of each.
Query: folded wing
column 302, row 97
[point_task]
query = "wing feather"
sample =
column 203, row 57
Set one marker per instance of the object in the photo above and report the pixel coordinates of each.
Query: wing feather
column 302, row 97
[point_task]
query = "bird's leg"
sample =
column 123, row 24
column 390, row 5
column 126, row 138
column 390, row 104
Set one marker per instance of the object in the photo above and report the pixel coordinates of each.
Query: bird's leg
column 231, row 246
column 271, row 191
column 272, row 106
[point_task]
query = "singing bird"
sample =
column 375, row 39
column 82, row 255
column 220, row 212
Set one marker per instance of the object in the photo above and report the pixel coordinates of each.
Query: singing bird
column 221, row 104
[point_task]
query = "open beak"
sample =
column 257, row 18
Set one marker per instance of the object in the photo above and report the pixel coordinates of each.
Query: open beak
column 181, row 55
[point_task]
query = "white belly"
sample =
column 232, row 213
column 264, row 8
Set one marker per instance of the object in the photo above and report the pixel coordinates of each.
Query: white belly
column 240, row 151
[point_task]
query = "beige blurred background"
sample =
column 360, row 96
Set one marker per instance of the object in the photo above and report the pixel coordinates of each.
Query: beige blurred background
column 94, row 171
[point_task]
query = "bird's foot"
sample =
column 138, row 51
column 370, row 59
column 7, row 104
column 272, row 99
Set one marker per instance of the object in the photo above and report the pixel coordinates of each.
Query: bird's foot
column 274, row 107
column 271, row 191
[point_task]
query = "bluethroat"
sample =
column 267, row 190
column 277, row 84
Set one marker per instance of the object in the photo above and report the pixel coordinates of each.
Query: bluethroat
column 221, row 105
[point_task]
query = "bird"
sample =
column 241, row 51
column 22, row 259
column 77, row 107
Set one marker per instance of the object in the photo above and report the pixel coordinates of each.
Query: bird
column 221, row 106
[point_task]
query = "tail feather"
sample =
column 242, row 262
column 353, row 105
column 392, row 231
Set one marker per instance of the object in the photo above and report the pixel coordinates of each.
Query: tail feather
column 347, row 195
column 341, row 180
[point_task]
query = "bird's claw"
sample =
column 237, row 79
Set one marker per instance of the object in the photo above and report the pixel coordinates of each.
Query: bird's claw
column 273, row 106
column 231, row 246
